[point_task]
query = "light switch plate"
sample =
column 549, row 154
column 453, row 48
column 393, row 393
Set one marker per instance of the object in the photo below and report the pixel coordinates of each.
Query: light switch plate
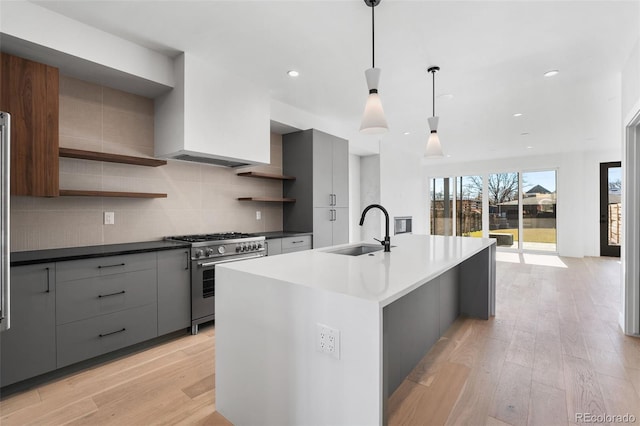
column 109, row 218
column 258, row 215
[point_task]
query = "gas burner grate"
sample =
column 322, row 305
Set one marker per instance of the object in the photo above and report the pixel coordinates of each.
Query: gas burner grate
column 198, row 238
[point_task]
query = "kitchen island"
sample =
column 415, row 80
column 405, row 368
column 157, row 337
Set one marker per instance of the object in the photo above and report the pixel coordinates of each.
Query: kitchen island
column 317, row 337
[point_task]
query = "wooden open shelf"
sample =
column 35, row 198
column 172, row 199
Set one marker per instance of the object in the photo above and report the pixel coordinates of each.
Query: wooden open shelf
column 90, row 193
column 111, row 158
column 269, row 199
column 266, row 176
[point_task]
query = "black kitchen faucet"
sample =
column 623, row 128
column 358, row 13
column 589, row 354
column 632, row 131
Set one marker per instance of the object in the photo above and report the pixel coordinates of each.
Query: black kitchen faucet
column 387, row 241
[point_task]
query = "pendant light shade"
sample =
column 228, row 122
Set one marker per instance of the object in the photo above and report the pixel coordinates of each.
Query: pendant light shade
column 373, row 119
column 433, row 148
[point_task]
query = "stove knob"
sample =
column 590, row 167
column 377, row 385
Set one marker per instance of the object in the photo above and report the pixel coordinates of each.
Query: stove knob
column 199, row 253
column 252, row 246
column 259, row 246
column 221, row 250
column 238, row 248
column 209, row 252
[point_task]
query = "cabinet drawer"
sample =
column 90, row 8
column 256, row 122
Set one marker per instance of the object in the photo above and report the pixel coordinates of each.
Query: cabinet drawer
column 289, row 243
column 99, row 266
column 82, row 340
column 90, row 297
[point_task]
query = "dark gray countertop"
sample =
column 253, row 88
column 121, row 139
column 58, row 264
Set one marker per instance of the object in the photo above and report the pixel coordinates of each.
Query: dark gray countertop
column 281, row 234
column 20, row 258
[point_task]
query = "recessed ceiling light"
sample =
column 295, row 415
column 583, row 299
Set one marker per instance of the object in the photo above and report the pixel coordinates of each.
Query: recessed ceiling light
column 529, row 147
column 407, row 133
column 293, row 73
column 551, row 73
column 448, row 155
column 517, row 114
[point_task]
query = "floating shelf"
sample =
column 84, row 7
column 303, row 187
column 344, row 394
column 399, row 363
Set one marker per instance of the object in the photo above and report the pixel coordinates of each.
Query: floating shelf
column 266, row 176
column 111, row 158
column 90, row 193
column 269, row 199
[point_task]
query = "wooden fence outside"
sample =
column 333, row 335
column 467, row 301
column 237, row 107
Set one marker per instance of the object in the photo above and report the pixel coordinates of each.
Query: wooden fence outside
column 615, row 218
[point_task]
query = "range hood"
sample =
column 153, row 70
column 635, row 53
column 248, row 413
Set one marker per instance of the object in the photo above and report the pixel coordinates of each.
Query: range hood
column 208, row 160
column 212, row 116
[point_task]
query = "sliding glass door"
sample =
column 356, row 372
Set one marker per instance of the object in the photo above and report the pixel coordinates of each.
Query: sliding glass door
column 469, row 206
column 539, row 210
column 441, row 211
column 521, row 210
column 504, row 209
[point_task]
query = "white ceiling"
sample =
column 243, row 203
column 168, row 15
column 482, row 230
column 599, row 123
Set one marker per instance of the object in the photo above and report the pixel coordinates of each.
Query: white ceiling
column 492, row 56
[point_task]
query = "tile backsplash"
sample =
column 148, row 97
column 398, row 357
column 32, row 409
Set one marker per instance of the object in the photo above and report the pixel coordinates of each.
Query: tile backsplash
column 200, row 198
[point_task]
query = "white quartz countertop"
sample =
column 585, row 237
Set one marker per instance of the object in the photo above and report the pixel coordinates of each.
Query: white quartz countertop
column 379, row 277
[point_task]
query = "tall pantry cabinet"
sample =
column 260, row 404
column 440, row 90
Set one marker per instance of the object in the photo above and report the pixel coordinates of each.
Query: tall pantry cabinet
column 320, row 163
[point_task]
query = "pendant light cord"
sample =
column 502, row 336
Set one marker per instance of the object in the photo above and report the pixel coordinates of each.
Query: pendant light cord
column 434, row 92
column 373, row 37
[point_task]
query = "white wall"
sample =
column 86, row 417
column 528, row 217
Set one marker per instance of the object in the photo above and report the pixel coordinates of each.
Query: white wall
column 354, row 198
column 370, row 194
column 403, row 188
column 631, row 84
column 577, row 186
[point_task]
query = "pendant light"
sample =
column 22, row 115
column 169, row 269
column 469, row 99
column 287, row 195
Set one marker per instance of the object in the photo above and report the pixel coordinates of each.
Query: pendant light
column 373, row 120
column 433, row 149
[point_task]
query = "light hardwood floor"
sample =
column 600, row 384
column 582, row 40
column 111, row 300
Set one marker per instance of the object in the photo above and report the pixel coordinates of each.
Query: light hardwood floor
column 553, row 350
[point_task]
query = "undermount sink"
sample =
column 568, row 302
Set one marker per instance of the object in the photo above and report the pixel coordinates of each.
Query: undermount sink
column 358, row 250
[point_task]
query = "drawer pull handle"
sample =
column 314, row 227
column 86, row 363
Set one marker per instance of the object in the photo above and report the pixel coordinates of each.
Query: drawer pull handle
column 110, row 294
column 296, row 242
column 113, row 332
column 110, row 266
column 48, row 280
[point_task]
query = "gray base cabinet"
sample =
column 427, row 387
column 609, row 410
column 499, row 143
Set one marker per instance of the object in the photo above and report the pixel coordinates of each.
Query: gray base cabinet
column 28, row 348
column 104, row 304
column 95, row 336
column 70, row 311
column 274, row 246
column 174, row 291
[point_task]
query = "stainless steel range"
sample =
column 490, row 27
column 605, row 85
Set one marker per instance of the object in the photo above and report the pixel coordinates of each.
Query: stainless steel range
column 207, row 251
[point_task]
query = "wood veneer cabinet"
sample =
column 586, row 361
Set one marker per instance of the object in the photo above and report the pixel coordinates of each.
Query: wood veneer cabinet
column 29, row 92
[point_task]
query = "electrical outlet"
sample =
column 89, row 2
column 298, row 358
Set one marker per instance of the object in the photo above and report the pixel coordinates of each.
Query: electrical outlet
column 258, row 215
column 328, row 340
column 109, row 218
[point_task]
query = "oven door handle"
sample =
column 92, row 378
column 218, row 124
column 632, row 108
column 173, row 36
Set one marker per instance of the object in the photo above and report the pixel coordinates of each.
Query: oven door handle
column 204, row 265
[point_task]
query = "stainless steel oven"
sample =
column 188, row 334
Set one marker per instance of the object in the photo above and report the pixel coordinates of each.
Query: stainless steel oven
column 207, row 251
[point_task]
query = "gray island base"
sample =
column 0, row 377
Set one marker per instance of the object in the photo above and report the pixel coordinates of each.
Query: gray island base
column 319, row 338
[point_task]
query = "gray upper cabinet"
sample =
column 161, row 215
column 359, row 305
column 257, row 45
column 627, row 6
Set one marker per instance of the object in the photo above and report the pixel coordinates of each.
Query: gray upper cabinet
column 330, row 171
column 320, row 163
column 174, row 291
column 28, row 348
